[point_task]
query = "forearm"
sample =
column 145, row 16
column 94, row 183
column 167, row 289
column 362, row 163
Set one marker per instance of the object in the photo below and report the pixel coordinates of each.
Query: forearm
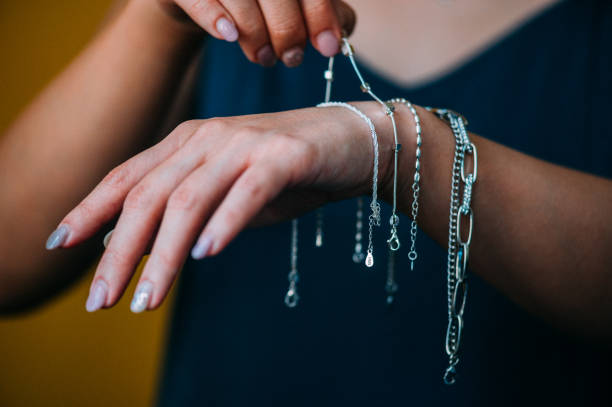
column 108, row 104
column 542, row 233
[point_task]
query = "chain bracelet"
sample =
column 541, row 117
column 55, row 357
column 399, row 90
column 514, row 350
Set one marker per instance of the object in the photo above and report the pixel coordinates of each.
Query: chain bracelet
column 458, row 249
column 374, row 218
column 389, row 109
column 412, row 254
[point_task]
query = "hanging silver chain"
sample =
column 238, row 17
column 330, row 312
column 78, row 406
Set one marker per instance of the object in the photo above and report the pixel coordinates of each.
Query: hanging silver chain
column 458, row 248
column 328, row 75
column 412, row 254
column 374, row 218
column 292, row 297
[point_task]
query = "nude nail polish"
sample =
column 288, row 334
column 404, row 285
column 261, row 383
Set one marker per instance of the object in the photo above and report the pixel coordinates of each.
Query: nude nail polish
column 201, row 248
column 293, row 57
column 142, row 297
column 97, row 296
column 58, row 237
column 227, row 30
column 328, row 43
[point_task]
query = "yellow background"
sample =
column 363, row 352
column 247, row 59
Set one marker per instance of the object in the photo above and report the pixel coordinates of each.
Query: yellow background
column 60, row 355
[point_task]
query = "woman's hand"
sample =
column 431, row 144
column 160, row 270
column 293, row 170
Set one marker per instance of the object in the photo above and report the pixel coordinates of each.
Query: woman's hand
column 219, row 175
column 270, row 29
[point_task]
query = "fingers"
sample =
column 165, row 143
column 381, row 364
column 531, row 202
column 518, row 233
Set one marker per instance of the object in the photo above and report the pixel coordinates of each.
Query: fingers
column 274, row 28
column 286, row 29
column 253, row 34
column 257, row 186
column 346, row 16
column 323, row 26
column 105, row 201
column 187, row 209
column 212, row 17
column 142, row 209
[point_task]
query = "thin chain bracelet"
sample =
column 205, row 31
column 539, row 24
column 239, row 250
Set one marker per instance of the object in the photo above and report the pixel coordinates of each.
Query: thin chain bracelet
column 358, row 255
column 328, row 75
column 349, row 51
column 458, row 249
column 412, row 254
column 374, row 218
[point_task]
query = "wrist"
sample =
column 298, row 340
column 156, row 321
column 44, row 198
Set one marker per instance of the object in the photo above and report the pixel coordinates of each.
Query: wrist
column 386, row 145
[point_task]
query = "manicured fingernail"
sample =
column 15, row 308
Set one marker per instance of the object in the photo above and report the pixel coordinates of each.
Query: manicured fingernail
column 227, row 30
column 58, row 237
column 266, row 56
column 293, row 57
column 107, row 238
column 328, row 43
column 142, row 296
column 97, row 296
column 201, row 248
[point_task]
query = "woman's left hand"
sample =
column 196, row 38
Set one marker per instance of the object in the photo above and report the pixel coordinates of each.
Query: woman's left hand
column 220, row 175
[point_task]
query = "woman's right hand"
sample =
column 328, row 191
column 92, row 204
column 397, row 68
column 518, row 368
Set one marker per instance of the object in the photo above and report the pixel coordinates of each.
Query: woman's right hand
column 268, row 30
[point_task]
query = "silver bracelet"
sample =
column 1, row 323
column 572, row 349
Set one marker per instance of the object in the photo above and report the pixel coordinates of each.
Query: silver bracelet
column 391, row 285
column 374, row 218
column 389, row 109
column 458, row 248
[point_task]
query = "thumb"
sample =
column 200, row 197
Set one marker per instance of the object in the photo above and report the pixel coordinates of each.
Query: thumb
column 346, row 17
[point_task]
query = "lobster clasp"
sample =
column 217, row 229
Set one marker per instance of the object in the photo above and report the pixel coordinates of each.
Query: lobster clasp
column 394, row 243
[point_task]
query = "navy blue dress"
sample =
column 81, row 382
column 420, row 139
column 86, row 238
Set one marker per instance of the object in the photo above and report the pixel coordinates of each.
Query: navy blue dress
column 544, row 90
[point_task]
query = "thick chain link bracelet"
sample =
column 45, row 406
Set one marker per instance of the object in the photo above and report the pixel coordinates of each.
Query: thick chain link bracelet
column 458, row 247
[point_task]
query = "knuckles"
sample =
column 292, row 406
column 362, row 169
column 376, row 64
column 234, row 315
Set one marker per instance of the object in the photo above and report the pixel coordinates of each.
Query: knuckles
column 212, row 127
column 139, row 197
column 117, row 178
column 253, row 185
column 200, row 6
column 183, row 198
column 288, row 31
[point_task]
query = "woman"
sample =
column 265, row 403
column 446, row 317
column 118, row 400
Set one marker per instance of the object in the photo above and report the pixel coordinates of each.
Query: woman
column 514, row 69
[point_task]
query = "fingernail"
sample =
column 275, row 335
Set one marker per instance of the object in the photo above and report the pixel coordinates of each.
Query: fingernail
column 328, row 43
column 266, row 56
column 227, row 30
column 107, row 238
column 200, row 250
column 293, row 57
column 97, row 296
column 58, row 237
column 142, row 296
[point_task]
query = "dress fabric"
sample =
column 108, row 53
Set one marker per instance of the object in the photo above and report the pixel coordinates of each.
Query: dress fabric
column 545, row 89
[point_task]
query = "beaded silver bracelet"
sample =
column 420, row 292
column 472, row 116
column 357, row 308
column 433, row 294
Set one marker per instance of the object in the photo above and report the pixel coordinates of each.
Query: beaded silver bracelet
column 391, row 286
column 458, row 248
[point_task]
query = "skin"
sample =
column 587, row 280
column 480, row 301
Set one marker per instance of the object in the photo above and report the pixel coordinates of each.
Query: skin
column 270, row 29
column 198, row 185
column 94, row 137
